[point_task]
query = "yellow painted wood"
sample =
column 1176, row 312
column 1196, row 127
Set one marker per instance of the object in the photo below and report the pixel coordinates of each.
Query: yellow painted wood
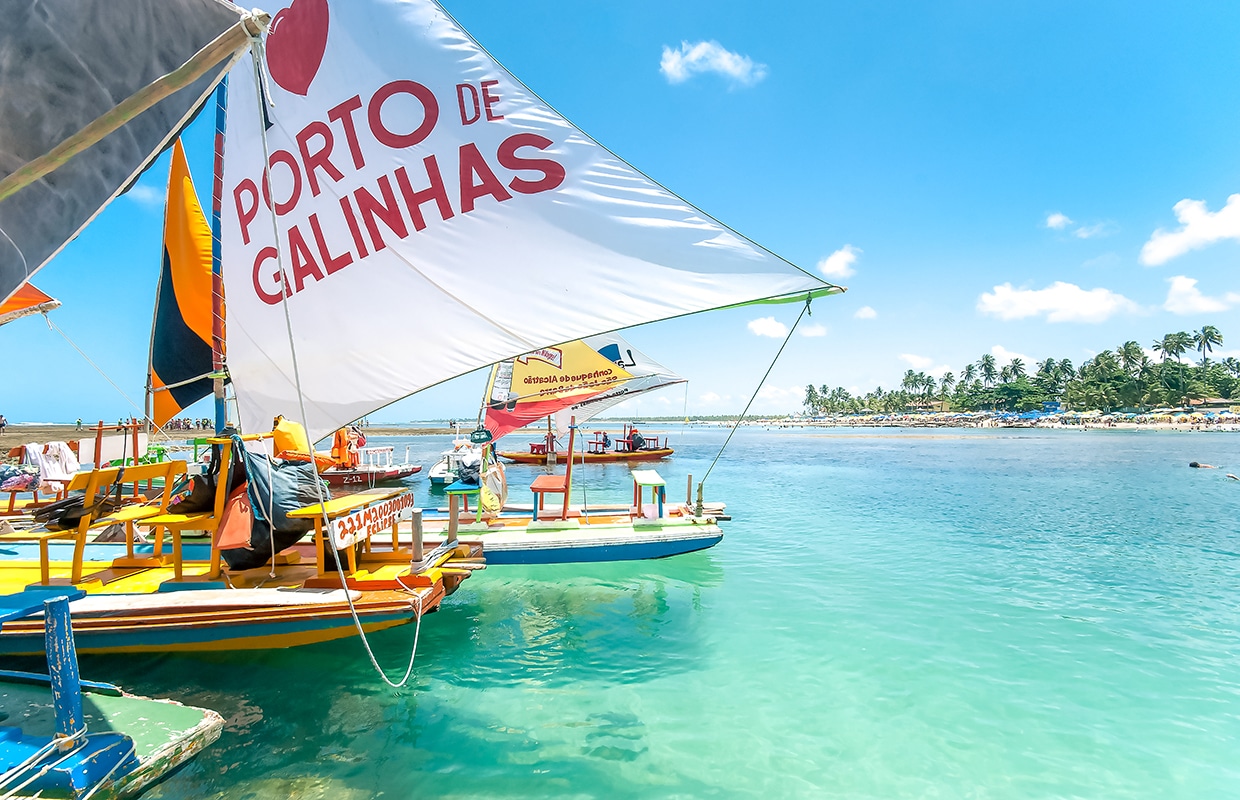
column 342, row 506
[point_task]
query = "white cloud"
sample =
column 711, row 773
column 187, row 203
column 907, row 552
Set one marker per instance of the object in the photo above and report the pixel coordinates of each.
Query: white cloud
column 781, row 394
column 924, row 364
column 1198, row 228
column 1060, row 302
column 1185, row 298
column 768, row 326
column 814, row 331
column 709, row 399
column 840, row 263
column 1091, row 231
column 1004, row 356
column 680, row 65
column 1061, row 222
column 148, row 196
column 1057, row 221
column 865, row 312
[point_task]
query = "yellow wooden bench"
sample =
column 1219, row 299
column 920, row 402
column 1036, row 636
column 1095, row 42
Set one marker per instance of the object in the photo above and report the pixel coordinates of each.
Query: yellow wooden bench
column 95, row 485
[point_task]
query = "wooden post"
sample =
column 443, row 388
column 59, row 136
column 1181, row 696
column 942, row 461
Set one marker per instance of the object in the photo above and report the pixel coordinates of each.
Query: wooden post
column 453, row 510
column 568, row 472
column 62, row 667
column 416, row 525
column 98, row 443
column 551, row 444
column 689, row 492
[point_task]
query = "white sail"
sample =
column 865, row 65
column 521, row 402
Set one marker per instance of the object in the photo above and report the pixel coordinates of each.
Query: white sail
column 435, row 216
column 647, row 373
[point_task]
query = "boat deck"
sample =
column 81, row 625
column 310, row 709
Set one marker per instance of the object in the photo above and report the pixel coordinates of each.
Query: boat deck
column 165, row 733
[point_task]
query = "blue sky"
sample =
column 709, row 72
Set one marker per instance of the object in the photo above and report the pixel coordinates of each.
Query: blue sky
column 1043, row 179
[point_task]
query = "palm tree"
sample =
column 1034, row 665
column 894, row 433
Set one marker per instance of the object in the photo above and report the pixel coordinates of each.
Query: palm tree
column 1005, row 374
column 986, row 368
column 1232, row 365
column 1017, row 367
column 1173, row 345
column 1206, row 340
column 968, row 375
column 1131, row 357
column 946, row 383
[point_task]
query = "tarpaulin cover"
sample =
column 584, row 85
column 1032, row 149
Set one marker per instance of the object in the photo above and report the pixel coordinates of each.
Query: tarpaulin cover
column 64, row 63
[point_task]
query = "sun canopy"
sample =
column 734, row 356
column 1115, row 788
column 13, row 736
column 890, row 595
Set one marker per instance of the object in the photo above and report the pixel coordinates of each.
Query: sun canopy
column 72, row 70
column 25, row 301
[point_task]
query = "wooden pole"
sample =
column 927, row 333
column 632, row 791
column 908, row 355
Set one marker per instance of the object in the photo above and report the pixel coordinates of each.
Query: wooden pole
column 223, row 47
column 689, row 492
column 217, row 268
column 98, row 443
column 568, row 473
column 416, row 524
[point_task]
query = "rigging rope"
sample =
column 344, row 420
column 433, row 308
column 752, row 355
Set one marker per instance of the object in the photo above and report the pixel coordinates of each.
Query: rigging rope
column 141, row 413
column 757, row 389
column 260, row 82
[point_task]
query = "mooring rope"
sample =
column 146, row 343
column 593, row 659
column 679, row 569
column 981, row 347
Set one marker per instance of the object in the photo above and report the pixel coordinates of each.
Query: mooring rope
column 141, row 414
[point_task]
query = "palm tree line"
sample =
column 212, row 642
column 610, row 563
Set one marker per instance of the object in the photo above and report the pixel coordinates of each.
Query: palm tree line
column 1123, row 378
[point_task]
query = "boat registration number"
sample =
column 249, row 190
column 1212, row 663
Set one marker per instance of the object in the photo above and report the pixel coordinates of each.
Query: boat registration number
column 366, row 522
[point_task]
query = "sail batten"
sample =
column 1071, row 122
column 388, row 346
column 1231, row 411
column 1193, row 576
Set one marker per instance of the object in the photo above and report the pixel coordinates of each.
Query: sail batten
column 434, row 216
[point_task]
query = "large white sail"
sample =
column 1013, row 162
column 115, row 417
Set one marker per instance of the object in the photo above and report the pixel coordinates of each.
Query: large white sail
column 434, row 216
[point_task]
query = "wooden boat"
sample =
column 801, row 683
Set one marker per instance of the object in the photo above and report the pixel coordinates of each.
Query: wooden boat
column 538, row 455
column 76, row 738
column 587, row 535
column 536, row 534
column 368, row 474
column 516, row 201
column 353, row 463
column 187, row 600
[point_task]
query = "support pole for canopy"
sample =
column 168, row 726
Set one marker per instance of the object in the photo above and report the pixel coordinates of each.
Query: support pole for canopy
column 217, row 269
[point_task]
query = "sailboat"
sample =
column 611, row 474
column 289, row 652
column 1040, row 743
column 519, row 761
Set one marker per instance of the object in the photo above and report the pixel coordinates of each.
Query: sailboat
column 634, row 373
column 139, row 599
column 375, row 153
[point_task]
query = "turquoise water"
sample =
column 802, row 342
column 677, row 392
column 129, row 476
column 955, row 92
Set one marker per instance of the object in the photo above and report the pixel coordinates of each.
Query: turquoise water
column 892, row 614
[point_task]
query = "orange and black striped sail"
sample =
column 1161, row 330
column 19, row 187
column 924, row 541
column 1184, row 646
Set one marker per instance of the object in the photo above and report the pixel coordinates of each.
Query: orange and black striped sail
column 180, row 365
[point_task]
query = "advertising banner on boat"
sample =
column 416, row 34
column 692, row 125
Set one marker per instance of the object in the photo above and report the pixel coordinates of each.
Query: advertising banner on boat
column 536, row 385
column 421, row 213
column 369, row 521
column 647, row 373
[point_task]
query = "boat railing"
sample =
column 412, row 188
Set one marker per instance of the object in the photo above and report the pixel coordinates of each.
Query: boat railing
column 375, row 456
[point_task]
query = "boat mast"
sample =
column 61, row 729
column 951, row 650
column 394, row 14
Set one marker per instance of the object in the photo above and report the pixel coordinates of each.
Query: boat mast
column 217, row 271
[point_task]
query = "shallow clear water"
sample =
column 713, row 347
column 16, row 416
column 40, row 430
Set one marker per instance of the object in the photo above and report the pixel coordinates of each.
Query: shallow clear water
column 891, row 614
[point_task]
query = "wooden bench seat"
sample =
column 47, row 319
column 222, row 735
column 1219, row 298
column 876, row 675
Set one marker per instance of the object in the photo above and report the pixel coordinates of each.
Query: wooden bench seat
column 95, row 486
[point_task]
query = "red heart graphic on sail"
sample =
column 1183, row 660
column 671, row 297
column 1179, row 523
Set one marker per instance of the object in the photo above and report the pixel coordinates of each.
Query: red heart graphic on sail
column 296, row 42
